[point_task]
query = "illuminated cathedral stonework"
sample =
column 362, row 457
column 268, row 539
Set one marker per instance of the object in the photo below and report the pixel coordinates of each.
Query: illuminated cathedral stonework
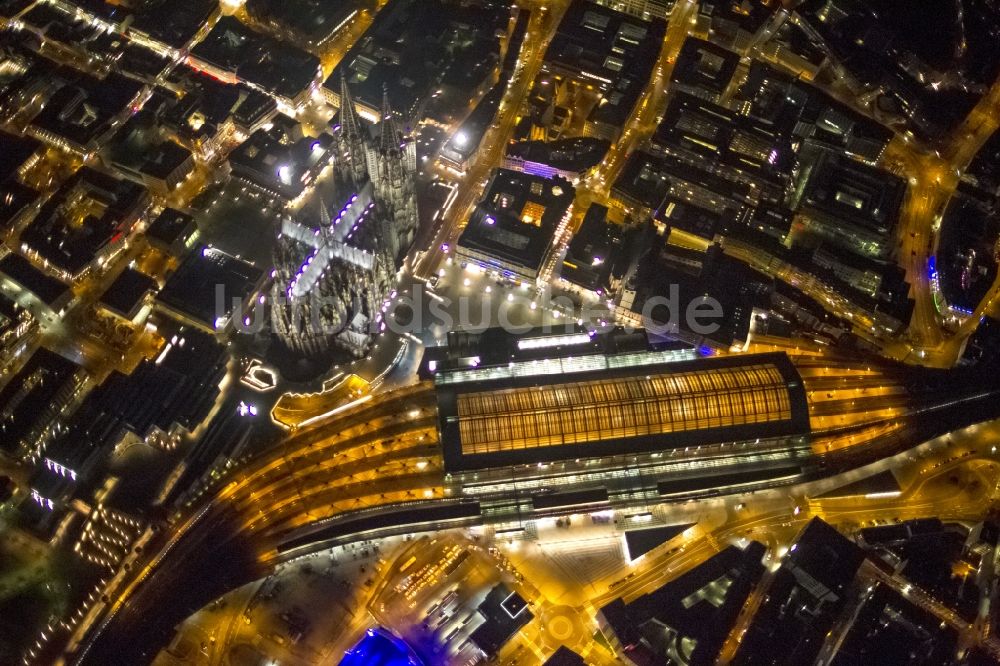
column 333, row 273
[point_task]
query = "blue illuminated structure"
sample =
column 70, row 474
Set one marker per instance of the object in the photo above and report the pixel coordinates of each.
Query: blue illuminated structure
column 380, row 648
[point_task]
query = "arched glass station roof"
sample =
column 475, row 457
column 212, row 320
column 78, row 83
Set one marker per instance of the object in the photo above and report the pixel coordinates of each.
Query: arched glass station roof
column 640, row 409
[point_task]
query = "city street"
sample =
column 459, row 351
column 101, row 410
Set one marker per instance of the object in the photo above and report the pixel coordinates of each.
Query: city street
column 572, row 568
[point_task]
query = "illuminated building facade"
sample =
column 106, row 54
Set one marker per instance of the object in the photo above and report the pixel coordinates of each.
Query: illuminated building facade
column 646, row 9
column 573, row 159
column 18, row 329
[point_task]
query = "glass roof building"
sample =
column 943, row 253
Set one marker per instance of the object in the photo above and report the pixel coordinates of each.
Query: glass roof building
column 611, row 428
column 515, row 422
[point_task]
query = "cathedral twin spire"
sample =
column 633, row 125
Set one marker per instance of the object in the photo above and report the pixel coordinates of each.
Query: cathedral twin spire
column 354, row 138
column 390, row 136
column 350, row 125
column 384, row 160
column 356, row 272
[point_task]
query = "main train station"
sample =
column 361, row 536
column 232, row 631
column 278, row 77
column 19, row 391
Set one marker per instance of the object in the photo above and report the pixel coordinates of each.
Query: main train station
column 605, row 417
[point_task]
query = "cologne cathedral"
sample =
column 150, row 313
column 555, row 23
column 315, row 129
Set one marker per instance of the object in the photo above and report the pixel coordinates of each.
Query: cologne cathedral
column 332, row 274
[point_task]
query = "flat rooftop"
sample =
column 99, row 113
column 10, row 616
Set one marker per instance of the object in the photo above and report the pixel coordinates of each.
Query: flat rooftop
column 605, row 45
column 814, row 578
column 127, row 292
column 91, row 211
column 848, row 190
column 891, row 629
column 164, row 160
column 82, row 108
column 517, row 218
column 14, row 152
column 191, row 290
column 18, row 269
column 413, row 45
column 316, row 20
column 594, row 250
column 699, row 607
column 171, row 226
column 15, row 198
column 612, row 50
column 705, row 66
column 695, row 127
column 278, row 161
column 210, row 102
column 280, row 68
column 505, row 613
column 642, row 409
column 564, row 657
column 27, row 396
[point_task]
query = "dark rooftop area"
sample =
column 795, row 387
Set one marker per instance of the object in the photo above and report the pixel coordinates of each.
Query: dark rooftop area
column 881, row 483
column 163, row 160
column 564, row 657
column 173, row 23
column 28, row 397
column 209, row 103
column 704, row 66
column 47, row 289
column 607, row 44
column 283, row 69
column 179, row 386
column 700, row 130
column 280, row 159
column 192, row 289
column 517, row 218
column 638, row 542
column 848, row 190
column 15, row 199
column 505, row 612
column 889, row 629
column 14, row 152
column 928, row 551
column 804, row 599
column 613, row 50
column 127, row 292
column 316, row 20
column 89, row 213
column 413, row 45
column 82, row 107
column 170, row 226
column 593, row 251
column 647, row 178
column 690, row 616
